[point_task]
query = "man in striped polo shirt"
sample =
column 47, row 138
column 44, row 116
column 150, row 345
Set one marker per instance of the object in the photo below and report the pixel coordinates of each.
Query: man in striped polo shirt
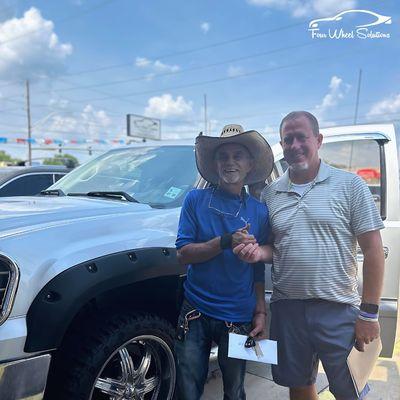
column 317, row 215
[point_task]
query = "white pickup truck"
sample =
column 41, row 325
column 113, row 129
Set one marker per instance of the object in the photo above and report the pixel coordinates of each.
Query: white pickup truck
column 89, row 282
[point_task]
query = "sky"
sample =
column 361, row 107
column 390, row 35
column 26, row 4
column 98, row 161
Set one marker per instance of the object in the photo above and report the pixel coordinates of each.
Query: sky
column 91, row 62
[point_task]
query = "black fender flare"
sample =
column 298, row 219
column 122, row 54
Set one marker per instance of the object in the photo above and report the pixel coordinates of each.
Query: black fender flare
column 61, row 298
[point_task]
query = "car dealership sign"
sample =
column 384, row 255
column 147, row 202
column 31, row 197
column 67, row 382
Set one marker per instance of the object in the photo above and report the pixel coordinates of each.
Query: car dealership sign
column 333, row 27
column 143, row 127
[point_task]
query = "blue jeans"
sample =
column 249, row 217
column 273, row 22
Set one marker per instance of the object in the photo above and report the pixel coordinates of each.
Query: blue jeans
column 193, row 351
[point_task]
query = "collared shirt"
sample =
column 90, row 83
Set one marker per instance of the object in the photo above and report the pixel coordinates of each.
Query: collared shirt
column 314, row 235
column 223, row 287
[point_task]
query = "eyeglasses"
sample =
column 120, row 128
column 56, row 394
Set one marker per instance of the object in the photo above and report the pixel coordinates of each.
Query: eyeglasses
column 224, row 213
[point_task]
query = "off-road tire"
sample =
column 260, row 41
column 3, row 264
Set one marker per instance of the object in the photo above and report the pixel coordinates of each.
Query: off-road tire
column 85, row 352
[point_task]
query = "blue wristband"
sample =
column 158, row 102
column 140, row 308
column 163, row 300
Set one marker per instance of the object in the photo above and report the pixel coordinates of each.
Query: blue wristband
column 368, row 315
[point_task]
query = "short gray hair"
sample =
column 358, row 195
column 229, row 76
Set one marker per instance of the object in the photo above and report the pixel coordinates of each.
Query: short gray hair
column 297, row 114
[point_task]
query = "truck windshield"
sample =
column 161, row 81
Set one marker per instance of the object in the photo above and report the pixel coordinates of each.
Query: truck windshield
column 159, row 175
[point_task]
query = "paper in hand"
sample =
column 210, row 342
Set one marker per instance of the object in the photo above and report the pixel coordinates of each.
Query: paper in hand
column 362, row 363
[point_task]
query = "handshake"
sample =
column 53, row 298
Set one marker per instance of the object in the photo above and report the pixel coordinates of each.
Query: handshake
column 245, row 246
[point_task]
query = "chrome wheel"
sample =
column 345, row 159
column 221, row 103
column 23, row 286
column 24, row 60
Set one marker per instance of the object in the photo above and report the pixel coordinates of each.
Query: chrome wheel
column 141, row 369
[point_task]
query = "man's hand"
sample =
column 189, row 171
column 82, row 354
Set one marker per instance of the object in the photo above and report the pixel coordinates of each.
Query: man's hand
column 259, row 325
column 366, row 332
column 242, row 236
column 249, row 253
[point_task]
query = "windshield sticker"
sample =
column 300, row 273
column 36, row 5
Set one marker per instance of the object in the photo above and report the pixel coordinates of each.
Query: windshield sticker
column 173, row 192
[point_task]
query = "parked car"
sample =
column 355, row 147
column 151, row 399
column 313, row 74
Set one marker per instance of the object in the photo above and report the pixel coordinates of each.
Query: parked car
column 28, row 181
column 90, row 287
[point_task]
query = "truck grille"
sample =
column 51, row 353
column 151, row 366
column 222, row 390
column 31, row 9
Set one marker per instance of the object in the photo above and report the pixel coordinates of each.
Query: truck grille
column 9, row 277
column 4, row 282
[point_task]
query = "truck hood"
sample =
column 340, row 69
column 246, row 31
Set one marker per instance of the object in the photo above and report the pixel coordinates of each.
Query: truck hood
column 45, row 236
column 19, row 215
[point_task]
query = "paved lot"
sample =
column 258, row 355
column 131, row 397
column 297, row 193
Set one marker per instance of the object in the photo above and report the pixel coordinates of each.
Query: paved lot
column 384, row 382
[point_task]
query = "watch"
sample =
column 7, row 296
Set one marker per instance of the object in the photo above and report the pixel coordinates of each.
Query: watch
column 369, row 308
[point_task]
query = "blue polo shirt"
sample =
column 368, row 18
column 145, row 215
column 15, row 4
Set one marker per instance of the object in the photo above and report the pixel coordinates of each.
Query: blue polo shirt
column 223, row 287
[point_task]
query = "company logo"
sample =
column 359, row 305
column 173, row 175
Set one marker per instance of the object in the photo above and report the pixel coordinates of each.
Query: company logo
column 333, row 27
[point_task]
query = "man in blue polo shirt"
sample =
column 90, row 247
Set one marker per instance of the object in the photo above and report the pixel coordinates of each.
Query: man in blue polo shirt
column 222, row 293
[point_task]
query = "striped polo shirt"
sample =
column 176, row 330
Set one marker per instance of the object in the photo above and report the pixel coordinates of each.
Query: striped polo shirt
column 314, row 235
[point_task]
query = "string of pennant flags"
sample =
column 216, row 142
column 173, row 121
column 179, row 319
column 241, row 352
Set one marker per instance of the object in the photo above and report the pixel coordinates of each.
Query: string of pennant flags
column 60, row 142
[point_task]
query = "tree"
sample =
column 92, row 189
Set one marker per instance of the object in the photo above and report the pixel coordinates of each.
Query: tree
column 4, row 156
column 62, row 159
column 7, row 159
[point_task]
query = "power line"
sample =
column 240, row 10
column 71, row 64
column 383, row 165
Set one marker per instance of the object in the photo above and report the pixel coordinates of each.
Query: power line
column 217, row 80
column 173, row 73
column 11, row 99
column 191, row 121
column 366, row 118
column 104, row 93
column 193, row 50
column 187, row 121
column 273, row 113
column 73, row 130
column 12, row 83
column 13, row 113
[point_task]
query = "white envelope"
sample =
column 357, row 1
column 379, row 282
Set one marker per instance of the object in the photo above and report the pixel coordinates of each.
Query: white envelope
column 236, row 349
column 361, row 364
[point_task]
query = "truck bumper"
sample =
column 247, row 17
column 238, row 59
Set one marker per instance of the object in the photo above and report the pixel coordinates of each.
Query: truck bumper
column 24, row 379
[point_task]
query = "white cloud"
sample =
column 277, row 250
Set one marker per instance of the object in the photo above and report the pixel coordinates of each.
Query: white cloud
column 149, row 77
column 183, row 131
column 307, row 8
column 268, row 129
column 62, row 123
column 337, row 90
column 165, row 106
column 88, row 124
column 58, row 103
column 158, row 65
column 327, row 7
column 234, row 71
column 270, row 134
column 191, row 129
column 143, row 62
column 205, row 27
column 94, row 122
column 30, row 48
column 390, row 106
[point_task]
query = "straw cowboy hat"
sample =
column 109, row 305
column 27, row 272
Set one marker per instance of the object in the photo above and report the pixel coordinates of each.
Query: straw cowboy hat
column 257, row 146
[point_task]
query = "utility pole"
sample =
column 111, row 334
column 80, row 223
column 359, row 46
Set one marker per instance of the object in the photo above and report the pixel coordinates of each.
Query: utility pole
column 28, row 111
column 205, row 114
column 358, row 96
